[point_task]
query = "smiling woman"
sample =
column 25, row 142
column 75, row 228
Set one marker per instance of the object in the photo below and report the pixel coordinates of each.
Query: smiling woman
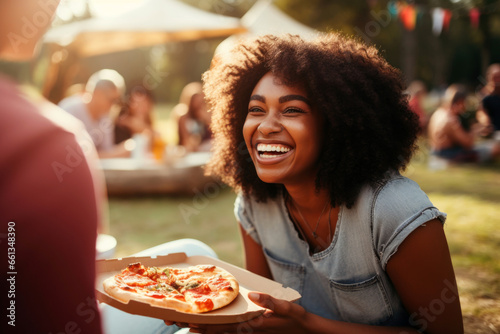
column 283, row 134
column 313, row 135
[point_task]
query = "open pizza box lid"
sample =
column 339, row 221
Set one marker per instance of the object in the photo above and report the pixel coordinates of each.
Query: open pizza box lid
column 241, row 309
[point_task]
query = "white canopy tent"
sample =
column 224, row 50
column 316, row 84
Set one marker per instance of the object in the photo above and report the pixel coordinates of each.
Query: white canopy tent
column 265, row 18
column 153, row 22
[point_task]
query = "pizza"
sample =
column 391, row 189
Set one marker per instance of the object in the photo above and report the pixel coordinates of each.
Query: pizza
column 194, row 289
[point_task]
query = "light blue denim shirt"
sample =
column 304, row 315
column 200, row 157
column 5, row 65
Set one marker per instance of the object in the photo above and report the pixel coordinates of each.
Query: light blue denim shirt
column 347, row 281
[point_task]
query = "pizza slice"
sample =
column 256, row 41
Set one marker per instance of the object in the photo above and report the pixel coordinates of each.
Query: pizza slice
column 194, row 289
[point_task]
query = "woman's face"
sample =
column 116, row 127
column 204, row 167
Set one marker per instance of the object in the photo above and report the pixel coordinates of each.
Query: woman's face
column 283, row 134
column 199, row 107
column 140, row 104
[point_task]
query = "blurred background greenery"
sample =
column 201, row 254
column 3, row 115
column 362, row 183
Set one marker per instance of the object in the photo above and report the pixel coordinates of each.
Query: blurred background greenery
column 458, row 51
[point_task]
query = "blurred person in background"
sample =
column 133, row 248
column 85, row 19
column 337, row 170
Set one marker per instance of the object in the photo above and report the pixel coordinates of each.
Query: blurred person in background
column 103, row 92
column 193, row 119
column 449, row 139
column 135, row 121
column 49, row 213
column 489, row 112
column 418, row 91
column 135, row 115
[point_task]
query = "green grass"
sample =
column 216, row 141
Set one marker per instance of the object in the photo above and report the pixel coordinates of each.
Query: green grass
column 139, row 223
column 470, row 196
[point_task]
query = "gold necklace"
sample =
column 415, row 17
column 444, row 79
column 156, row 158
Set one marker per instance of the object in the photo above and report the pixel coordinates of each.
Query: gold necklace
column 314, row 234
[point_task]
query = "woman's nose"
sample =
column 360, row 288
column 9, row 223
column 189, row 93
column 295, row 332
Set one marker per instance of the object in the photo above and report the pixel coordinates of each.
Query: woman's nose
column 270, row 124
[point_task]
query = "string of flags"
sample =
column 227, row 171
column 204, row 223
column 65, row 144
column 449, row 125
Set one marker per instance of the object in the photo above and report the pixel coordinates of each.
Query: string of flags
column 410, row 14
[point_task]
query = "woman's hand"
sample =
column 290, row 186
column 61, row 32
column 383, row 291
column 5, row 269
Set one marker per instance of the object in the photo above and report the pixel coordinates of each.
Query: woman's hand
column 281, row 316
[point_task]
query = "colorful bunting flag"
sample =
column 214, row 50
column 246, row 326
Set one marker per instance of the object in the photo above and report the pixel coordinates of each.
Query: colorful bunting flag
column 474, row 17
column 393, row 8
column 446, row 19
column 408, row 17
column 410, row 14
column 437, row 20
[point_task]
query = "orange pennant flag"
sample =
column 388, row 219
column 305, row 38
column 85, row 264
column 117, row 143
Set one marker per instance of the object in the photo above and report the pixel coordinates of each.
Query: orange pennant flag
column 408, row 17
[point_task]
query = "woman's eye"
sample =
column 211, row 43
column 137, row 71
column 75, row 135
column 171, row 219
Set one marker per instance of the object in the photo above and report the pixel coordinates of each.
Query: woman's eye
column 255, row 110
column 293, row 111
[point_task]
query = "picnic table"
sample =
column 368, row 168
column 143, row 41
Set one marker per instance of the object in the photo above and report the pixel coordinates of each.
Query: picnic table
column 183, row 176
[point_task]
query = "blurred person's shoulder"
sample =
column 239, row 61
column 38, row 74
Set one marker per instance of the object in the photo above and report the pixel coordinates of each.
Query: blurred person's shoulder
column 63, row 119
column 71, row 101
column 20, row 117
column 26, row 119
column 74, row 105
column 442, row 117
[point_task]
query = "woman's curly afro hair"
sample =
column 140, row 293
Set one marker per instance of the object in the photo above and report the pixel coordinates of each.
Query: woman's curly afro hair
column 370, row 129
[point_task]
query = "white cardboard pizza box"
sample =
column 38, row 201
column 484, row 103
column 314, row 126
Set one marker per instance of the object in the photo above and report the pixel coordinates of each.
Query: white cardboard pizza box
column 241, row 309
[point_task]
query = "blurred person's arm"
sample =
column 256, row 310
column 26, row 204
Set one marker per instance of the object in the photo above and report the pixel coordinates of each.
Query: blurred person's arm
column 482, row 117
column 484, row 127
column 116, row 151
column 188, row 140
column 106, row 147
column 458, row 134
column 183, row 132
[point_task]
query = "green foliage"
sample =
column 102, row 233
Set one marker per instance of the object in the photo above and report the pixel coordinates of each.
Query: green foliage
column 459, row 54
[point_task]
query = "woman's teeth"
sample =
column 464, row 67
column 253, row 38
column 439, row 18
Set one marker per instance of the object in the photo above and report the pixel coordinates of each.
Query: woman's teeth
column 265, row 149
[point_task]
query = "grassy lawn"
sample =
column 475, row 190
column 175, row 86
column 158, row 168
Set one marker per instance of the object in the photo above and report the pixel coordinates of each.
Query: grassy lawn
column 140, row 223
column 469, row 195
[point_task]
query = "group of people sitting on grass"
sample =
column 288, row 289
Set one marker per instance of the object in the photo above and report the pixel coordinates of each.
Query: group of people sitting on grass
column 459, row 130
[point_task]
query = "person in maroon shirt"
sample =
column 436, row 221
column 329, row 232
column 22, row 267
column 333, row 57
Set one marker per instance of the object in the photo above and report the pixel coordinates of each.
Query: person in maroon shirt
column 48, row 220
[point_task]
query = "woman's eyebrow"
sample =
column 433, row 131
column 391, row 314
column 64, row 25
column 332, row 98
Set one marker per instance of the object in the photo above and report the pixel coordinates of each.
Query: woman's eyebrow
column 287, row 98
column 258, row 98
